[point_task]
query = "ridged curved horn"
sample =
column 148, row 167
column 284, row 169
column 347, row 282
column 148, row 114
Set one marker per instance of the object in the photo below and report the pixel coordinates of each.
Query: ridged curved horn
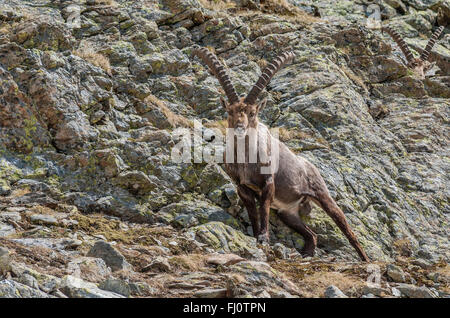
column 267, row 75
column 426, row 53
column 400, row 42
column 219, row 72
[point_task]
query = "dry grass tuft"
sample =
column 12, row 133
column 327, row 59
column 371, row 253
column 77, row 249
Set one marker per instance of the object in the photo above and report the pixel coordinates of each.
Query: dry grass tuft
column 88, row 53
column 217, row 4
column 5, row 29
column 96, row 224
column 445, row 273
column 222, row 125
column 262, row 63
column 283, row 7
column 403, row 247
column 279, row 7
column 212, row 49
column 313, row 278
column 191, row 262
column 20, row 192
column 111, row 3
column 289, row 134
column 174, row 119
column 355, row 78
column 315, row 284
column 39, row 209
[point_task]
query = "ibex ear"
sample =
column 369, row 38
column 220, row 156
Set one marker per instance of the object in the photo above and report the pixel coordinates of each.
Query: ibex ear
column 224, row 103
column 261, row 104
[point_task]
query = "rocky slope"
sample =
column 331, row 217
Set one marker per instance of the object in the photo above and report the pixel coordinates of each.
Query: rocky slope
column 91, row 204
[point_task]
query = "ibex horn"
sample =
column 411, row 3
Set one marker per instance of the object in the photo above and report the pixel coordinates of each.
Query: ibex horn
column 400, row 42
column 426, row 53
column 267, row 75
column 219, row 71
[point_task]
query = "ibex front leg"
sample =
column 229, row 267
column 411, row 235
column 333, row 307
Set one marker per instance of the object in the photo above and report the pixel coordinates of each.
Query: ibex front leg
column 266, row 200
column 248, row 196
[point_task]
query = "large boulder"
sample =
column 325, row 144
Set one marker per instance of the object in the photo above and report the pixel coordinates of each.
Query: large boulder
column 13, row 289
column 112, row 257
column 224, row 238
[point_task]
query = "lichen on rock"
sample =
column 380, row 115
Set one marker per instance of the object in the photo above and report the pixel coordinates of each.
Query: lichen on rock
column 87, row 121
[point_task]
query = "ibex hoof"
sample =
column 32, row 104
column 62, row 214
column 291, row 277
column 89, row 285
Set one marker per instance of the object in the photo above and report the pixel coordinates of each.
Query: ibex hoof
column 308, row 252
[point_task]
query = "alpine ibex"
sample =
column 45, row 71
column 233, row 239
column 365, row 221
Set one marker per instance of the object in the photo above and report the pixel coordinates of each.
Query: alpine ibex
column 295, row 182
column 419, row 65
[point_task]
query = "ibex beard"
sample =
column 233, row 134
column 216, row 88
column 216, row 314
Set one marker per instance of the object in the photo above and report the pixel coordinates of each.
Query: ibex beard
column 291, row 187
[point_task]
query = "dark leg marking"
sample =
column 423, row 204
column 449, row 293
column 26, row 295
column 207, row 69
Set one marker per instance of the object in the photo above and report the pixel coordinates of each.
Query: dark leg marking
column 248, row 196
column 264, row 210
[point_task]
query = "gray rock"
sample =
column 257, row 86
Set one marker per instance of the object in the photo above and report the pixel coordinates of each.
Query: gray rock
column 5, row 189
column 438, row 277
column 12, row 289
column 10, row 216
column 5, row 261
column 211, row 293
column 334, row 292
column 28, row 280
column 396, row 292
column 3, row 251
column 136, row 181
column 16, row 209
column 422, row 263
column 110, row 255
column 6, row 230
column 89, row 268
column 189, row 214
column 224, row 259
column 377, row 291
column 60, row 244
column 395, row 273
column 30, row 277
column 425, row 253
column 412, row 291
column 117, row 286
column 280, row 294
column 59, row 294
column 263, row 294
column 281, row 251
column 55, row 37
column 74, row 287
column 43, row 219
column 259, row 274
column 141, row 289
column 159, row 264
column 224, row 238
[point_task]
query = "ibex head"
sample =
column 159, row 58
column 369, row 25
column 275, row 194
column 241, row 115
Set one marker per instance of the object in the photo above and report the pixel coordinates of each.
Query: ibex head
column 419, row 65
column 242, row 111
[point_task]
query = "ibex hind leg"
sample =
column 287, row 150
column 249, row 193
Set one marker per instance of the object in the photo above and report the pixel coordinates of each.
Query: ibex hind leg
column 305, row 209
column 327, row 203
column 293, row 221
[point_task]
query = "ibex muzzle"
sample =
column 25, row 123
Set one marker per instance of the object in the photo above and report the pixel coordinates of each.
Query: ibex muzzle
column 291, row 187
